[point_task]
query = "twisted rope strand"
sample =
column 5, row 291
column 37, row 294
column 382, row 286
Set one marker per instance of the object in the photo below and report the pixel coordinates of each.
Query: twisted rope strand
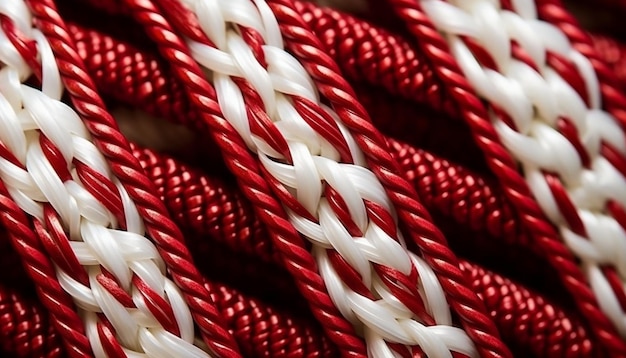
column 298, row 260
column 276, row 146
column 115, row 148
column 438, row 53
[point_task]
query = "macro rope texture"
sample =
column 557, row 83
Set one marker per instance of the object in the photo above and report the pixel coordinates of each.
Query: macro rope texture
column 280, row 141
column 473, row 315
column 57, row 175
column 524, row 316
column 560, row 335
column 286, row 239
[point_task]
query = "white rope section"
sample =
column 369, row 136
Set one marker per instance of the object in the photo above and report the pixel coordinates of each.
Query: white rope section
column 124, row 277
column 315, row 166
column 539, row 101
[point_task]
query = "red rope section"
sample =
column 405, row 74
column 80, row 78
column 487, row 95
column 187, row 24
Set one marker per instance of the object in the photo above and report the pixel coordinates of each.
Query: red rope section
column 371, row 54
column 116, row 149
column 287, row 241
column 502, row 165
column 27, row 330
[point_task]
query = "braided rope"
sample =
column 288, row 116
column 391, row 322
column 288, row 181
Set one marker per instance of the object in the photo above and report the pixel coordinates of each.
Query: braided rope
column 312, row 158
column 126, row 168
column 58, row 176
column 571, row 152
column 298, row 260
column 502, row 165
column 229, row 68
column 260, row 329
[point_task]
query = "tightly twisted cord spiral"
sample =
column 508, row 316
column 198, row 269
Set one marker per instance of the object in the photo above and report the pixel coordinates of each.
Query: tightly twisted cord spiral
column 26, row 331
column 501, row 163
column 148, row 84
column 294, row 150
column 285, row 238
column 56, row 175
column 125, row 167
column 372, row 54
column 572, row 153
column 521, row 315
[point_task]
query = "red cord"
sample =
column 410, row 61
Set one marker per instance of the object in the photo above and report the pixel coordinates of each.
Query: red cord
column 426, row 235
column 124, row 84
column 224, row 217
column 500, row 162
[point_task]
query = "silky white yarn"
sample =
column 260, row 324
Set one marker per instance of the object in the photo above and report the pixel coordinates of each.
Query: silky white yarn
column 25, row 112
column 315, row 162
column 534, row 101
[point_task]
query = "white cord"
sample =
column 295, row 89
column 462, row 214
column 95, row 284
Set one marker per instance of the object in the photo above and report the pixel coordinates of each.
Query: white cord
column 26, row 114
column 315, row 164
column 535, row 101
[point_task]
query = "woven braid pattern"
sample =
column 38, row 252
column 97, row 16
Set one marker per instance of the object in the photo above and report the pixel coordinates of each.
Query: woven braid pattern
column 38, row 266
column 580, row 190
column 375, row 144
column 438, row 53
column 298, row 260
column 261, row 330
column 58, row 176
column 330, row 219
column 115, row 148
column 523, row 317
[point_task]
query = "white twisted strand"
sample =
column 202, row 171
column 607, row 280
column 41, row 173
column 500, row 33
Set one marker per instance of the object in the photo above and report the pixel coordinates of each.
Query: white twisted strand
column 316, row 163
column 535, row 101
column 27, row 113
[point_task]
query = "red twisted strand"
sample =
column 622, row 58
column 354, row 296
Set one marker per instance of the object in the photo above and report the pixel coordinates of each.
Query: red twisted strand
column 613, row 53
column 27, row 330
column 116, row 149
column 523, row 317
column 298, row 260
column 502, row 165
column 42, row 272
column 531, row 306
column 367, row 53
